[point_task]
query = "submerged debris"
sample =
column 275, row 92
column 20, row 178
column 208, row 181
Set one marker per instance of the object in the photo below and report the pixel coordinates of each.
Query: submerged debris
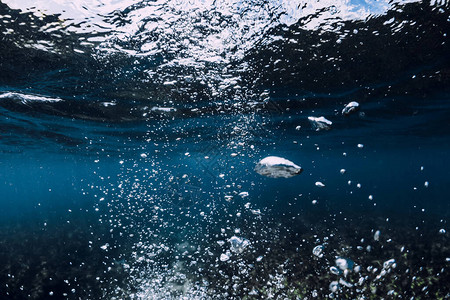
column 276, row 167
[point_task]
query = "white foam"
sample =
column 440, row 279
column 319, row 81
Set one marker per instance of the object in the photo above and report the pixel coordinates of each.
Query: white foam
column 320, row 123
column 350, row 108
column 164, row 109
column 238, row 244
column 376, row 236
column 25, row 98
column 318, row 251
column 224, row 256
column 276, row 167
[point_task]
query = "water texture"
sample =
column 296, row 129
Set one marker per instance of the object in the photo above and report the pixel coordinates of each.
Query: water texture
column 224, row 149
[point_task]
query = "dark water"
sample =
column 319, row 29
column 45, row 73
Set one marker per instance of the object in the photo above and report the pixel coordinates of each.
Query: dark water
column 129, row 134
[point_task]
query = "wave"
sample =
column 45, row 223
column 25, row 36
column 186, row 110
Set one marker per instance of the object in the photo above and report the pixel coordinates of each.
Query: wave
column 223, row 51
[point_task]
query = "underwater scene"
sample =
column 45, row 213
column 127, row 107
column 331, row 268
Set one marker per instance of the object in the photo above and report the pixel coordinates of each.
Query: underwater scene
column 224, row 149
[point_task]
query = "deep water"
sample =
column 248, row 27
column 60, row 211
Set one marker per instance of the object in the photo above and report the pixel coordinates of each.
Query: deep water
column 130, row 132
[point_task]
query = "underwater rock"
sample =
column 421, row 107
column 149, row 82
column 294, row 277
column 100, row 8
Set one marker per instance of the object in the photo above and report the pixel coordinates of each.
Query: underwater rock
column 350, row 108
column 238, row 244
column 320, row 123
column 276, row 167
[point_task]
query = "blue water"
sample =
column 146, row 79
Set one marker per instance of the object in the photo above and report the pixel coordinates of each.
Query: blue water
column 129, row 134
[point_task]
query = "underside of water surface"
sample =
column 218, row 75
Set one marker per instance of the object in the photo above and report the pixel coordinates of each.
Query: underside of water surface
column 173, row 149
